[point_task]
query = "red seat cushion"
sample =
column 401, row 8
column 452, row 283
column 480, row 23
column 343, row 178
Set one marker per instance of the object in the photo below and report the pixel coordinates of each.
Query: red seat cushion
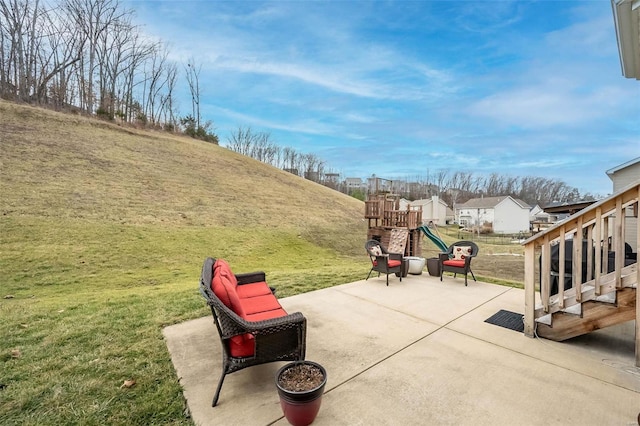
column 390, row 263
column 454, row 263
column 245, row 345
column 242, row 346
column 253, row 290
column 261, row 316
column 253, row 305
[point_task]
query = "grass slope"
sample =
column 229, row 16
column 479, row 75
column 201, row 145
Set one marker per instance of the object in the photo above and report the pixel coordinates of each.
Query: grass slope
column 103, row 231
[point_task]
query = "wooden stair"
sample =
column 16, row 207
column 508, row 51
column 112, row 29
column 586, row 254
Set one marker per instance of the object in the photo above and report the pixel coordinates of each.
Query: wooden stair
column 588, row 298
column 593, row 315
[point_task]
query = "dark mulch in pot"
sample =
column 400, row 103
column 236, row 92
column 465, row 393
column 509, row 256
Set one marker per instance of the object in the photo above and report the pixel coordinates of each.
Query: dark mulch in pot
column 301, row 377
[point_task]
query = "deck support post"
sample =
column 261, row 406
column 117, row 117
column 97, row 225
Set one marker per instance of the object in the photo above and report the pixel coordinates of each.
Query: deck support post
column 529, row 290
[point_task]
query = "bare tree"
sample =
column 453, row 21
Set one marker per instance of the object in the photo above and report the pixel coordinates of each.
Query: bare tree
column 156, row 77
column 193, row 79
column 18, row 21
column 168, row 106
column 66, row 50
column 92, row 18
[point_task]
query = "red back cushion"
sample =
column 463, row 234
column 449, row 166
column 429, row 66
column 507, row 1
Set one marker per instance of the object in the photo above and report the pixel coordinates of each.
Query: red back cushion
column 222, row 267
column 224, row 286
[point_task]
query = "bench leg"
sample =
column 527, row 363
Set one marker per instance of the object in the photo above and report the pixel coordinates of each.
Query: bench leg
column 217, row 395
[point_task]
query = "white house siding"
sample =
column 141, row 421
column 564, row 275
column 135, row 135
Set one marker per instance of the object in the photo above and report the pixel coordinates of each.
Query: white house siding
column 433, row 209
column 475, row 216
column 510, row 217
column 623, row 176
column 505, row 214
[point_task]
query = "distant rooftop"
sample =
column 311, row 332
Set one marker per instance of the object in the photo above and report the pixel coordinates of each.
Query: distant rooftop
column 564, row 207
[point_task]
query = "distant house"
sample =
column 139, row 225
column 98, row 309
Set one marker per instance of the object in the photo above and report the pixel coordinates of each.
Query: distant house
column 622, row 176
column 352, row 183
column 451, row 216
column 537, row 214
column 540, row 219
column 507, row 215
column 625, row 174
column 433, row 209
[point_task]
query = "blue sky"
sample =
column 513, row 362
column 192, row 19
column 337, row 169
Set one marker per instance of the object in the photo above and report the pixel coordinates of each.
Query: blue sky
column 404, row 89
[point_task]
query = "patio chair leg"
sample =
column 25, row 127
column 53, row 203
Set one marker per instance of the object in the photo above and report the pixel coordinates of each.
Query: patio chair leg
column 217, row 395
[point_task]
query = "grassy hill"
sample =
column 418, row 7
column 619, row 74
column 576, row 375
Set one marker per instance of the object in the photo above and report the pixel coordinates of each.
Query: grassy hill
column 103, row 231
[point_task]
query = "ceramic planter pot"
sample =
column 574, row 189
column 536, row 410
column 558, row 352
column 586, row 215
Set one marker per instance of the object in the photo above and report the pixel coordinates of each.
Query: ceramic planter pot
column 300, row 407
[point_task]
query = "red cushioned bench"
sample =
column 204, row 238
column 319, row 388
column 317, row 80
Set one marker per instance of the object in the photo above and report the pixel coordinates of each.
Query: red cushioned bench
column 253, row 327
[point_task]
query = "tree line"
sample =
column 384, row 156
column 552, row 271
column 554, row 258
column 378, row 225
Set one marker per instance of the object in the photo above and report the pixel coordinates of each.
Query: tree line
column 454, row 187
column 261, row 146
column 88, row 56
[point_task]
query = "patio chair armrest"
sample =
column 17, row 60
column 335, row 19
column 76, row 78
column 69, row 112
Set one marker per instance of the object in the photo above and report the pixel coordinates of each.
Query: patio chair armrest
column 395, row 256
column 251, row 277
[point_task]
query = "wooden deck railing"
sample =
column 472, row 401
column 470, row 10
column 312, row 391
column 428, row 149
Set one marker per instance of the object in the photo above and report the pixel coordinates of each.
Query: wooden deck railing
column 596, row 234
column 386, row 215
column 409, row 219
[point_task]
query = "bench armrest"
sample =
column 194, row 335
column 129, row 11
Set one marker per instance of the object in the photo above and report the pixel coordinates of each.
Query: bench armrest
column 251, row 277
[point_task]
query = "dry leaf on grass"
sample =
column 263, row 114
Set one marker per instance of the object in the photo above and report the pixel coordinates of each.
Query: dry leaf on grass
column 128, row 383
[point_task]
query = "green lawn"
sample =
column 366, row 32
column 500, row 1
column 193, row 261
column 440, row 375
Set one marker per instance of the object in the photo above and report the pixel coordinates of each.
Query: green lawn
column 83, row 306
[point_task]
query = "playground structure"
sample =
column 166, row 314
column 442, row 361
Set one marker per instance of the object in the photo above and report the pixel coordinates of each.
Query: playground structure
column 399, row 230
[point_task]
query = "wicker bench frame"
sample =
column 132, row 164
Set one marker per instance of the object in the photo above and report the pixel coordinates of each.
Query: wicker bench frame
column 276, row 339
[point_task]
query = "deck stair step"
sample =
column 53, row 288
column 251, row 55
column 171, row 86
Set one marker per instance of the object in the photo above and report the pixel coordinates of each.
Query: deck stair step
column 607, row 287
column 595, row 315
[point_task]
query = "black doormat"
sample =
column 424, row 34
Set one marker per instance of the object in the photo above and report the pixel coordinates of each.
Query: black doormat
column 507, row 319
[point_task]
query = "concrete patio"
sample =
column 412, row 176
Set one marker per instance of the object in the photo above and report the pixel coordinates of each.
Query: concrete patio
column 419, row 352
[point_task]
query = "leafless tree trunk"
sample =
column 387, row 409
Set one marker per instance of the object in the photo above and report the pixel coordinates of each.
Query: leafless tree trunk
column 193, row 79
column 157, row 79
column 167, row 105
column 92, row 18
column 18, row 20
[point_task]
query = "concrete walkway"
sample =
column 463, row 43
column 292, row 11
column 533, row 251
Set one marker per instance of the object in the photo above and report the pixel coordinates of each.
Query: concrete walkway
column 419, row 353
